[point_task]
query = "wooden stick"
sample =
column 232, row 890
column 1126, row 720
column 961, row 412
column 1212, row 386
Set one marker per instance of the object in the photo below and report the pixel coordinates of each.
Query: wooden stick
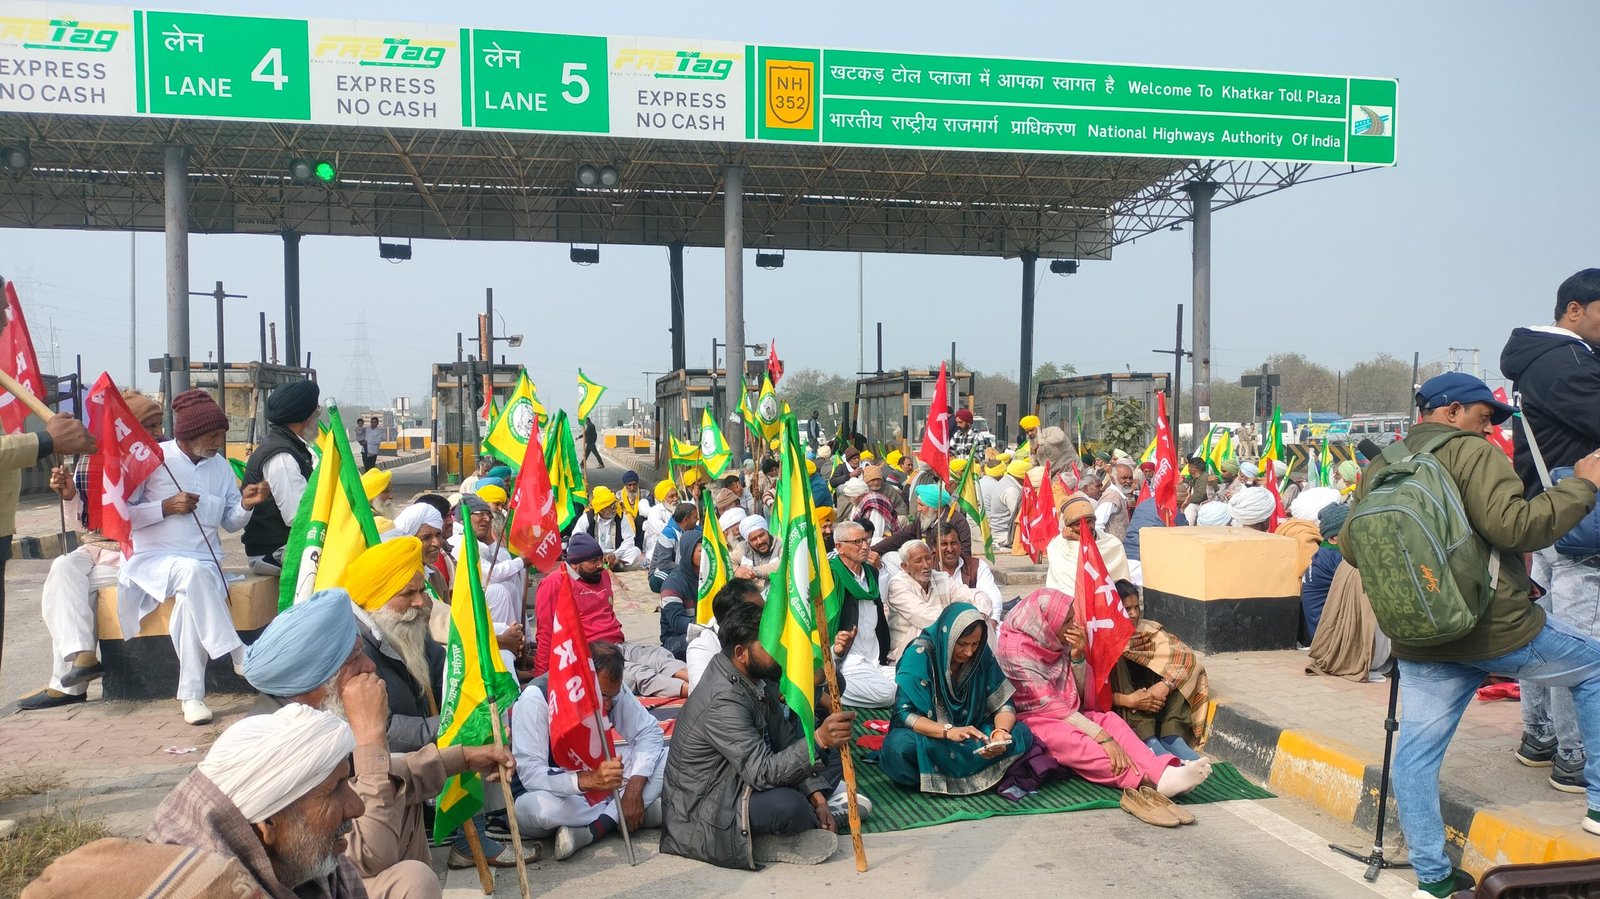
column 511, row 803
column 26, row 397
column 844, row 748
column 485, row 877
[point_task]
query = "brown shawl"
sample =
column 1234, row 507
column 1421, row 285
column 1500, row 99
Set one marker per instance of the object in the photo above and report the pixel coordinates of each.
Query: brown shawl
column 1172, row 660
column 197, row 814
column 129, row 869
column 1342, row 645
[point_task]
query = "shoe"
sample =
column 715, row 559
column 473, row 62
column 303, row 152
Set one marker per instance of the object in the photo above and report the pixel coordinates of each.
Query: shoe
column 1141, row 807
column 506, row 857
column 840, row 806
column 195, row 712
column 1536, row 753
column 808, row 847
column 78, row 676
column 1456, row 881
column 497, row 828
column 49, row 699
column 1183, row 815
column 652, row 814
column 570, row 840
column 1568, row 778
column 1591, row 822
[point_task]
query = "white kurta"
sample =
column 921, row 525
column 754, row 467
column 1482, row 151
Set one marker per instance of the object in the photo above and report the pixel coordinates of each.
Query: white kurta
column 505, row 582
column 1062, row 555
column 172, row 556
column 627, row 552
column 911, row 608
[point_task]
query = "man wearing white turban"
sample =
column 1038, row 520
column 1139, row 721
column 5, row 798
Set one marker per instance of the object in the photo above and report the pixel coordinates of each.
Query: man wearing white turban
column 1252, row 507
column 1214, row 514
column 274, row 793
column 757, row 554
column 425, row 522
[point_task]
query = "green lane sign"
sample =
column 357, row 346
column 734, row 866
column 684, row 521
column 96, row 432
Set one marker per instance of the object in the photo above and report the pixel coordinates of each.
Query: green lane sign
column 88, row 60
column 225, row 66
column 537, row 82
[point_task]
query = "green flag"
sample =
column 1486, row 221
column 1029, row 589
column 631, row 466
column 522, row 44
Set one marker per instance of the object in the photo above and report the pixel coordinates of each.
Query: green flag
column 474, row 674
column 566, row 473
column 790, row 630
column 714, row 450
column 715, row 565
column 967, row 498
column 334, row 523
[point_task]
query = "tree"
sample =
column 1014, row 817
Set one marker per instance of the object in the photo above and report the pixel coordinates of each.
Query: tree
column 1127, row 425
column 1383, row 384
column 809, row 389
column 1049, row 371
column 1303, row 384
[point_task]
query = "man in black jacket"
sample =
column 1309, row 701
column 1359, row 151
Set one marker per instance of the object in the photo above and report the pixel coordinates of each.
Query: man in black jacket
column 283, row 460
column 1557, row 372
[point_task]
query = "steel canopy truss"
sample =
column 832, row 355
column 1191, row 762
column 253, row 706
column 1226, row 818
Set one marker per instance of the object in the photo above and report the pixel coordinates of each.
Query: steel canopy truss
column 106, row 173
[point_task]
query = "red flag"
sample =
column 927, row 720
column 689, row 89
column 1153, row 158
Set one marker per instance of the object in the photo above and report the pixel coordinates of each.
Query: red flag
column 1045, row 526
column 1105, row 621
column 1498, row 437
column 935, row 449
column 1144, row 493
column 578, row 740
column 774, row 364
column 1269, row 479
column 533, row 532
column 1024, row 523
column 17, row 360
column 126, row 456
column 1166, row 476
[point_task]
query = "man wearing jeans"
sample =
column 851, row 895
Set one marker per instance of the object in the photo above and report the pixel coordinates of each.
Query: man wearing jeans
column 1512, row 637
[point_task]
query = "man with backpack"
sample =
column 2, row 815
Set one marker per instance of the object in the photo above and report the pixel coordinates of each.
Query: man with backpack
column 1438, row 529
column 1556, row 373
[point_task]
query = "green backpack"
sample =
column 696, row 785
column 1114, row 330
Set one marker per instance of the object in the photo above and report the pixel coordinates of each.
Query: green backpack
column 1427, row 573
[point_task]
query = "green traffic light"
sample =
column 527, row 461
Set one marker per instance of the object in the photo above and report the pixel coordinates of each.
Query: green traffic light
column 326, row 173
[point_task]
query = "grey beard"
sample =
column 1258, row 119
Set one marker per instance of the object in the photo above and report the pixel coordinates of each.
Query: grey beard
column 302, row 860
column 332, row 700
column 407, row 633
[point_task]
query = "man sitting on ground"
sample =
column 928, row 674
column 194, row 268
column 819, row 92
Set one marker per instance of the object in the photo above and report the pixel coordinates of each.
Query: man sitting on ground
column 311, row 655
column 618, row 534
column 918, row 595
column 283, row 460
column 71, row 591
column 391, row 609
column 757, row 555
column 741, row 788
column 862, row 643
column 647, row 670
column 274, row 793
column 554, row 801
column 176, row 515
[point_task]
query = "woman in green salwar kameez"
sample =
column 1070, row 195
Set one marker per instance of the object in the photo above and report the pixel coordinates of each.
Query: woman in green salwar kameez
column 952, row 702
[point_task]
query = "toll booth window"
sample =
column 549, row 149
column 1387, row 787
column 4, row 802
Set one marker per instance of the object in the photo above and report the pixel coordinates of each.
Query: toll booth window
column 916, row 390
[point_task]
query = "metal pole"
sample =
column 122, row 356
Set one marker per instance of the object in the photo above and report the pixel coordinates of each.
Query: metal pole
column 1200, row 194
column 880, row 349
column 220, row 295
column 486, row 348
column 291, row 297
column 461, row 414
column 1177, row 384
column 175, row 178
column 263, row 338
column 1411, row 395
column 733, row 287
column 861, row 306
column 1025, row 367
column 680, row 349
column 133, row 309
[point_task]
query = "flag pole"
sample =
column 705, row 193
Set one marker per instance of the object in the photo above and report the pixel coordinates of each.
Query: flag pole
column 196, row 516
column 832, row 677
column 511, row 802
column 622, row 819
column 468, row 829
column 26, row 397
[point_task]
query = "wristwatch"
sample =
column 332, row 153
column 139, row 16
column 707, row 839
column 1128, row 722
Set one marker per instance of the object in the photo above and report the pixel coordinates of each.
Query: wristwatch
column 947, row 731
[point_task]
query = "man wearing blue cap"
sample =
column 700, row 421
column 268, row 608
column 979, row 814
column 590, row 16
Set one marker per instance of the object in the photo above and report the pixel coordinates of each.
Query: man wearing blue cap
column 1512, row 636
column 311, row 655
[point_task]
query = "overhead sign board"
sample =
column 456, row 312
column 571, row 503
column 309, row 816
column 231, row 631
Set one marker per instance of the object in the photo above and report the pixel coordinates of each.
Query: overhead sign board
column 97, row 60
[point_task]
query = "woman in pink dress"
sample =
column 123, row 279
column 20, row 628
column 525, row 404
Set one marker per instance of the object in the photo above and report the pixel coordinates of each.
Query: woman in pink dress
column 1039, row 641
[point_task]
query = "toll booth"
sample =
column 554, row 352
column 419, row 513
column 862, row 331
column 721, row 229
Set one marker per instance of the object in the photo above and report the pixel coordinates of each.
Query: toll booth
column 680, row 398
column 1060, row 401
column 892, row 407
column 245, row 388
column 456, row 397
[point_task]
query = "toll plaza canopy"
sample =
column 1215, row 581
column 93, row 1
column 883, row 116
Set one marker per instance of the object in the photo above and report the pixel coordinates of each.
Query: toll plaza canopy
column 466, row 132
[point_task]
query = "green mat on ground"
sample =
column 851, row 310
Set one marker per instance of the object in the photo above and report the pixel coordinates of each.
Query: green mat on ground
column 896, row 808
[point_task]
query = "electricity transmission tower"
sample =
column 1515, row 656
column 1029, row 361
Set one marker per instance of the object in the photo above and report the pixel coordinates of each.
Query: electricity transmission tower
column 361, row 384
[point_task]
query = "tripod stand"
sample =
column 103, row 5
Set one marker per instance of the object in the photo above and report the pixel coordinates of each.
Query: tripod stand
column 1374, row 859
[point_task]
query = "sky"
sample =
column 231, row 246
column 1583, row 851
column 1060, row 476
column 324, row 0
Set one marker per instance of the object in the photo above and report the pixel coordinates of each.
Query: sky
column 1468, row 237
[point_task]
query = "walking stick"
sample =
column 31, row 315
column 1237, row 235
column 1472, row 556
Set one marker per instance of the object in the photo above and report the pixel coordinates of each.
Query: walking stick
column 844, row 748
column 511, row 803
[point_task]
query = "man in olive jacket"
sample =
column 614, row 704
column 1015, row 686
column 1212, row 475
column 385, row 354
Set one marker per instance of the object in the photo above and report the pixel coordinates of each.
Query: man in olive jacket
column 740, row 784
column 1512, row 638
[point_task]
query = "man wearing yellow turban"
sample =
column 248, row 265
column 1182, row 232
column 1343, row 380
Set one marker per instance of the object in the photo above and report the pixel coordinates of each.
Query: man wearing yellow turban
column 375, row 484
column 618, row 533
column 385, row 585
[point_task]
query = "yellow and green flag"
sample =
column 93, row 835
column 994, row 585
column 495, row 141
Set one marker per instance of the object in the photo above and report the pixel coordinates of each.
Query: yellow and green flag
column 1221, row 448
column 790, row 630
column 334, row 523
column 1149, row 454
column 684, row 453
column 967, row 499
column 567, row 488
column 1272, row 449
column 474, row 674
column 588, row 395
column 769, row 411
column 507, row 438
column 747, row 414
column 715, row 563
column 714, row 450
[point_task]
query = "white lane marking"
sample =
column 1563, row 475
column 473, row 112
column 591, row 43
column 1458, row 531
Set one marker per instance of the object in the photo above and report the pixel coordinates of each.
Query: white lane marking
column 1390, row 883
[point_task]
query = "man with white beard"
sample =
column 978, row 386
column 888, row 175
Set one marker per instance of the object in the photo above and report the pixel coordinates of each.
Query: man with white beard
column 385, row 583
